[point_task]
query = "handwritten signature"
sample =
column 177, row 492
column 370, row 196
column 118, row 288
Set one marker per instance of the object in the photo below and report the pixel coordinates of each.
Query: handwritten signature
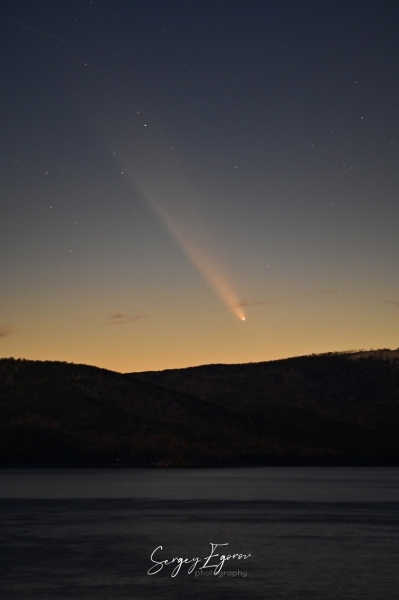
column 217, row 559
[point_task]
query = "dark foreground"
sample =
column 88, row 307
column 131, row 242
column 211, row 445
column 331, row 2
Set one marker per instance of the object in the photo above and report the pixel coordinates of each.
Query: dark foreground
column 100, row 549
column 327, row 534
column 334, row 409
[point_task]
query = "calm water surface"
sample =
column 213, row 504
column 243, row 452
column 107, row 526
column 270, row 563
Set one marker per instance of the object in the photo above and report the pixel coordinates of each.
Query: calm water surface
column 328, row 533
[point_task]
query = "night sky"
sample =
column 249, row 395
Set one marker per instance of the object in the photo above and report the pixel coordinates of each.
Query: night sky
column 194, row 182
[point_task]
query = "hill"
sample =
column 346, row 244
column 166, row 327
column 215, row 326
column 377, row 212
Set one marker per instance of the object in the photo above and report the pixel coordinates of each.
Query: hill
column 340, row 408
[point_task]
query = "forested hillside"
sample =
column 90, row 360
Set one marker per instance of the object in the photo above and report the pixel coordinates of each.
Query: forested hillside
column 340, row 408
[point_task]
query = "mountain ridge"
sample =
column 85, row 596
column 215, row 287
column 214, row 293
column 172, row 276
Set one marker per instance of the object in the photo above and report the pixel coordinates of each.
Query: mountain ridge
column 333, row 408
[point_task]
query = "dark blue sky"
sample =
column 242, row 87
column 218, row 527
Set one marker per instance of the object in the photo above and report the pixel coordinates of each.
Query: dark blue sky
column 167, row 167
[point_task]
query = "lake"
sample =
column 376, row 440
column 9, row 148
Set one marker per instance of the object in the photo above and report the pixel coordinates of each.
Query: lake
column 291, row 533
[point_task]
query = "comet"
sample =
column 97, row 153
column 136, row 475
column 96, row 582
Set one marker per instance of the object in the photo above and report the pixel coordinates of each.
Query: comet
column 205, row 265
column 206, row 268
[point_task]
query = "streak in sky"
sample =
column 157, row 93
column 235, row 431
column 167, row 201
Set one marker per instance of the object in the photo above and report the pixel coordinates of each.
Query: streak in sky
column 192, row 249
column 208, row 270
column 41, row 32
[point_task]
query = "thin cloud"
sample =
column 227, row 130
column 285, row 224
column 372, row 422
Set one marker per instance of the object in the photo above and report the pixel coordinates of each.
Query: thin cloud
column 122, row 318
column 245, row 303
column 4, row 331
column 394, row 302
column 329, row 292
column 117, row 316
column 258, row 303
